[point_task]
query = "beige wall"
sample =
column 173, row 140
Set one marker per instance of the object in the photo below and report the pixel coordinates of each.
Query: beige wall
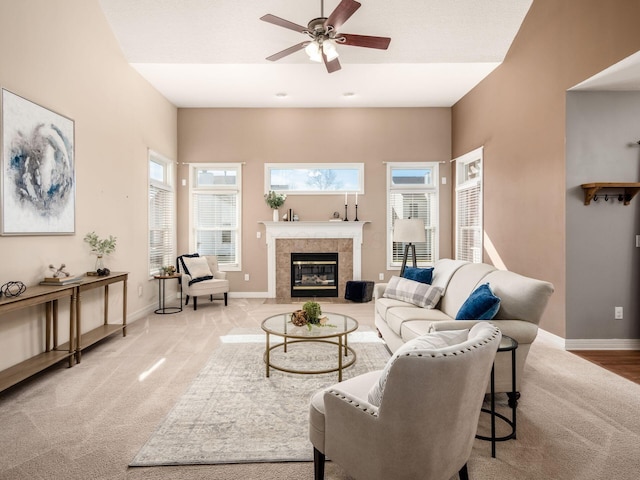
column 518, row 114
column 63, row 56
column 258, row 136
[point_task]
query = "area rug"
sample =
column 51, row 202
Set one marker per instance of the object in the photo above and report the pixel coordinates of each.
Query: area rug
column 232, row 413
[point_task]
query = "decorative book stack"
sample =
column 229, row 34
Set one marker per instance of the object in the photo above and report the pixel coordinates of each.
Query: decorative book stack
column 62, row 280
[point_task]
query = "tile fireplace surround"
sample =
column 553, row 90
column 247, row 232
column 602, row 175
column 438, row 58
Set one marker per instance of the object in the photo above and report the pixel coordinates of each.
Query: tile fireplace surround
column 282, row 238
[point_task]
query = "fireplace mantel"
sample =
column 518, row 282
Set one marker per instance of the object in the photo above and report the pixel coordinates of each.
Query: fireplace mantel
column 298, row 230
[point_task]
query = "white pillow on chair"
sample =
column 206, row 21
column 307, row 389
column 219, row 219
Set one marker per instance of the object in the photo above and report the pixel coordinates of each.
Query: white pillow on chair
column 197, row 268
column 423, row 343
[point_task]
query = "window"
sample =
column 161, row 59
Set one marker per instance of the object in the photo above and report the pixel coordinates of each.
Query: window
column 161, row 213
column 215, row 212
column 412, row 192
column 315, row 178
column 469, row 227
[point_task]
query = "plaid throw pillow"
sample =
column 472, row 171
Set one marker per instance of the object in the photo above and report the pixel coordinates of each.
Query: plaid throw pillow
column 420, row 294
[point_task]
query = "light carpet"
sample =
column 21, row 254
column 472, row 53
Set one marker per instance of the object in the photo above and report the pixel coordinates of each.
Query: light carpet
column 232, row 413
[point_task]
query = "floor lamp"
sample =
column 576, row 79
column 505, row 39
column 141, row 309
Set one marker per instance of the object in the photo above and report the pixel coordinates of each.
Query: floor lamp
column 408, row 231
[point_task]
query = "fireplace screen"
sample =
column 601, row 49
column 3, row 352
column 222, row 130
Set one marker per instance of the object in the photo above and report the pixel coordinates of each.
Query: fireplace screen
column 314, row 274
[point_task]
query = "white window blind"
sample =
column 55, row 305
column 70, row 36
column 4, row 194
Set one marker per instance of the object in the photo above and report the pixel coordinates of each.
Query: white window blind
column 215, row 219
column 412, row 192
column 161, row 213
column 469, row 225
column 215, row 212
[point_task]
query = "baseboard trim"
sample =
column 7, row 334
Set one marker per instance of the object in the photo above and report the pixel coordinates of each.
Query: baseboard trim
column 602, row 344
column 591, row 343
column 248, row 295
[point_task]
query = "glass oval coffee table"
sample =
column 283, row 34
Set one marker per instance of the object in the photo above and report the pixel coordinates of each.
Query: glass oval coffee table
column 334, row 333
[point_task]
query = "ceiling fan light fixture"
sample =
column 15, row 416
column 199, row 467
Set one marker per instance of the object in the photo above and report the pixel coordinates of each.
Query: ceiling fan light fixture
column 313, row 50
column 330, row 50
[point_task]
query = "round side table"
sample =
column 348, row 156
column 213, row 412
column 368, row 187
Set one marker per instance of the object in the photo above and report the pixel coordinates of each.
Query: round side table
column 162, row 308
column 507, row 344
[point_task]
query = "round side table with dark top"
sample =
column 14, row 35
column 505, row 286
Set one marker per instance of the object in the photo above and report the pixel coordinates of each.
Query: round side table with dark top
column 162, row 308
column 507, row 344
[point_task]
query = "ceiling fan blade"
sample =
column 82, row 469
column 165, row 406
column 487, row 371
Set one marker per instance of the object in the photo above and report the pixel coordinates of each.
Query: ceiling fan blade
column 287, row 51
column 333, row 65
column 367, row 41
column 281, row 22
column 342, row 13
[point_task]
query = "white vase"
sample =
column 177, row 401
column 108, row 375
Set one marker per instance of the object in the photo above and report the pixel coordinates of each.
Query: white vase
column 276, row 215
column 99, row 262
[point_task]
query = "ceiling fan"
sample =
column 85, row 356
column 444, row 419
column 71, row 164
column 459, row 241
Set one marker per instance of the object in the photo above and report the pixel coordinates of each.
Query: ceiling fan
column 324, row 35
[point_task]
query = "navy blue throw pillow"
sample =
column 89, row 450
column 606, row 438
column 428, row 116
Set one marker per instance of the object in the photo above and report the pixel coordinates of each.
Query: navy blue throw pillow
column 422, row 275
column 482, row 304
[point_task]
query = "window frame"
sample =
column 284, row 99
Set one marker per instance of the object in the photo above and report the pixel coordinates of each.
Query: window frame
column 268, row 167
column 167, row 184
column 433, row 188
column 195, row 189
column 464, row 184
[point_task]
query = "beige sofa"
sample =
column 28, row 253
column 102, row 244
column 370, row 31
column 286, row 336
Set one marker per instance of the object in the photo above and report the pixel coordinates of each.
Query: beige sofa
column 522, row 302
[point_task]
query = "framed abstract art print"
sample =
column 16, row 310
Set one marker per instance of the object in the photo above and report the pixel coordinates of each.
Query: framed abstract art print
column 38, row 169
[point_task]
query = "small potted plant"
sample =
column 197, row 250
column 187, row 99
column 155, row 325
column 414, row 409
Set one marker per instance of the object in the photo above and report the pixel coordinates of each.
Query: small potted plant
column 309, row 315
column 313, row 311
column 100, row 247
column 275, row 200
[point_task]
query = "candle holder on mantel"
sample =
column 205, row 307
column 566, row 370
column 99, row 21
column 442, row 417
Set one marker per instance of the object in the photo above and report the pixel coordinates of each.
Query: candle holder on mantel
column 346, row 218
column 356, row 219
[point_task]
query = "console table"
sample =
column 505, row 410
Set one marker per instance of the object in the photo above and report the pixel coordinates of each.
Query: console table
column 89, row 283
column 53, row 353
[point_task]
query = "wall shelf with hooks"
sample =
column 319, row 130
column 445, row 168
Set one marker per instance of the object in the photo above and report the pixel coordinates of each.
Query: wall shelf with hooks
column 629, row 191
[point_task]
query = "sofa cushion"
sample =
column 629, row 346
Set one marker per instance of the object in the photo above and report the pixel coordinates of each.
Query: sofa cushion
column 197, row 268
column 425, row 344
column 422, row 275
column 443, row 271
column 462, row 283
column 420, row 294
column 521, row 298
column 397, row 316
column 383, row 305
column 482, row 304
column 411, row 329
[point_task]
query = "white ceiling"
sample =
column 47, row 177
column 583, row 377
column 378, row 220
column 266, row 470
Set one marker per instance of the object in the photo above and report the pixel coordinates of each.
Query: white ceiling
column 622, row 76
column 211, row 53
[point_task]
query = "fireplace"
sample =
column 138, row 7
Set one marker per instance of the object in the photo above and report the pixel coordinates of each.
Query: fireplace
column 314, row 274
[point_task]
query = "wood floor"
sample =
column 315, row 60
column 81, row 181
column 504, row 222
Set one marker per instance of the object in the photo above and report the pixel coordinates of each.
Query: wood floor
column 625, row 363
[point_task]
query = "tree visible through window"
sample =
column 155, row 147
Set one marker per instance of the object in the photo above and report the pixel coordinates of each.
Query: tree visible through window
column 314, row 178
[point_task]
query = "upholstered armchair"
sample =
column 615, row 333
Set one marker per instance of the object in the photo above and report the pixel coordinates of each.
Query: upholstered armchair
column 417, row 418
column 201, row 276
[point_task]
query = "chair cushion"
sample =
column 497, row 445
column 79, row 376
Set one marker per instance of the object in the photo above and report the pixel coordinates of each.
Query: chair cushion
column 422, row 275
column 423, row 344
column 482, row 304
column 197, row 268
column 416, row 293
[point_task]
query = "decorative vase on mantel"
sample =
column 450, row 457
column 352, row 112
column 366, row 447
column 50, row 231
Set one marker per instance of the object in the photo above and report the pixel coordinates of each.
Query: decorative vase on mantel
column 276, row 215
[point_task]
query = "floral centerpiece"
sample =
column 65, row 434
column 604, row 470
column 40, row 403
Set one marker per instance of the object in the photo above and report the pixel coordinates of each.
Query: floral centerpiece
column 309, row 315
column 275, row 200
column 168, row 270
column 100, row 247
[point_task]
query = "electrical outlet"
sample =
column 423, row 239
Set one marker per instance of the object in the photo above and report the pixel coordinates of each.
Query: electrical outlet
column 618, row 313
column 381, row 276
column 139, row 290
column 246, row 277
column 637, row 240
